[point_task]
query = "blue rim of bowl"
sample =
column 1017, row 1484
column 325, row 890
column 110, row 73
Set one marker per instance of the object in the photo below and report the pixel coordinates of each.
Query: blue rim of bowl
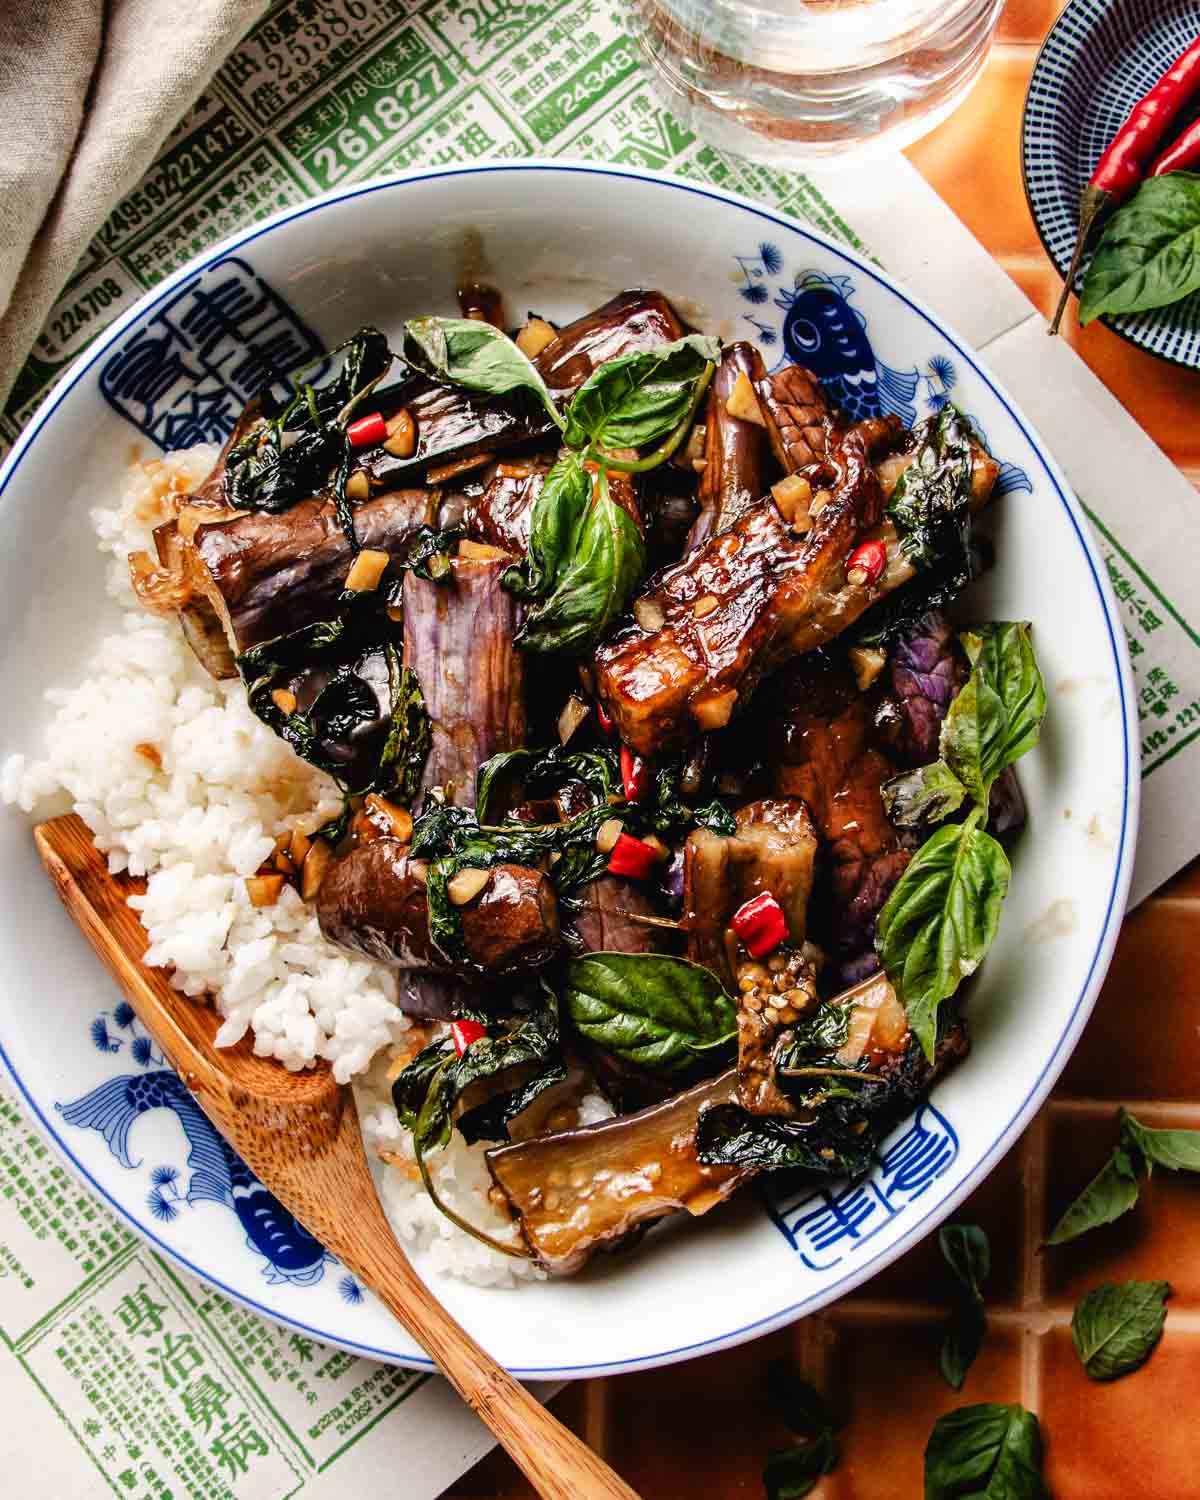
column 1071, row 15
column 1122, row 872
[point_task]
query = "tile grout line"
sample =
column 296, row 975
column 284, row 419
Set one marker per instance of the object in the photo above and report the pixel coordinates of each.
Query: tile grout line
column 1034, row 1149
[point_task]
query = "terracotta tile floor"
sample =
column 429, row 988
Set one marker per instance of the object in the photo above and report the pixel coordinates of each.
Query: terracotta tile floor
column 703, row 1429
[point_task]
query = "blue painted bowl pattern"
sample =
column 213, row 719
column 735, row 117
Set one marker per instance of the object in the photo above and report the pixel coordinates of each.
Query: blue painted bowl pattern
column 1100, row 57
column 183, row 377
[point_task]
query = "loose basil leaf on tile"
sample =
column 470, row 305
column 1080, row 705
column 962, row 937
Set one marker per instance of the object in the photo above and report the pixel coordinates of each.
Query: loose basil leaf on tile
column 658, row 1012
column 1112, row 1192
column 966, row 1251
column 997, row 716
column 791, row 1473
column 1177, row 1150
column 595, row 573
column 476, row 356
column 799, row 1404
column 985, row 1452
column 1115, row 1327
column 924, row 796
column 941, row 918
column 1149, row 255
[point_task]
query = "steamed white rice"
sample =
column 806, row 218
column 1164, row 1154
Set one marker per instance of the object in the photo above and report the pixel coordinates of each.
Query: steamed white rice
column 181, row 783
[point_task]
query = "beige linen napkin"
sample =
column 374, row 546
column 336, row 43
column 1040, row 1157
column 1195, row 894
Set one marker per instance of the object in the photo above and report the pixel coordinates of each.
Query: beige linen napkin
column 89, row 89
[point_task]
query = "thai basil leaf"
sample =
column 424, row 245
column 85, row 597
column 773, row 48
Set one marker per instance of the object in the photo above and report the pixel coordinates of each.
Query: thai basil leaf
column 1115, row 1327
column 801, row 1406
column 1149, row 255
column 475, row 356
column 412, row 1084
column 657, row 1012
column 1177, row 1150
column 555, row 528
column 1114, row 1189
column 1112, row 1192
column 927, row 795
column 596, row 575
column 941, row 918
column 638, row 398
column 727, row 1135
column 791, row 1473
column 931, row 504
column 985, row 1452
column 997, row 716
column 715, row 816
column 966, row 1251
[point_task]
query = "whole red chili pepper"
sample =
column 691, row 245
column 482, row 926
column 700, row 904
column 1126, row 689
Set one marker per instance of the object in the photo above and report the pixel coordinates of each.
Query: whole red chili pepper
column 1130, row 152
column 1180, row 155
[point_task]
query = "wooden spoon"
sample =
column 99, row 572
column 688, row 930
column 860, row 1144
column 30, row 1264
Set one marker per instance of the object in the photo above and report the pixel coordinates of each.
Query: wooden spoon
column 299, row 1134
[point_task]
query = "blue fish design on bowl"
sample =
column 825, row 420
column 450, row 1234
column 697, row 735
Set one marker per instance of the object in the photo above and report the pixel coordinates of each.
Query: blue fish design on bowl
column 217, row 1173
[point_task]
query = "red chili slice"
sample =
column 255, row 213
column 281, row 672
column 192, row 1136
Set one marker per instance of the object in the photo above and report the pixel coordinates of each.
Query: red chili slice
column 463, row 1033
column 631, row 857
column 760, row 924
column 367, row 430
column 604, row 718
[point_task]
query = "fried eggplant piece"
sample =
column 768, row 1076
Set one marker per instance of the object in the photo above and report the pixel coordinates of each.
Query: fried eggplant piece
column 737, row 455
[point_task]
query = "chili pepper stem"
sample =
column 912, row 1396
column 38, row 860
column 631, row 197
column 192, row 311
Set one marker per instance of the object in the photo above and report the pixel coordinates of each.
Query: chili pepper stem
column 1092, row 204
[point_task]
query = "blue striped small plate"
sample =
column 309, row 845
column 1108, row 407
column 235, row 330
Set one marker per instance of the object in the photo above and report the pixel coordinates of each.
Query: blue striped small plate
column 1100, row 57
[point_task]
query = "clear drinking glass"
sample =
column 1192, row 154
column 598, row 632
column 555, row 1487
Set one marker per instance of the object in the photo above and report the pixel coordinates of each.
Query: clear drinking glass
column 798, row 80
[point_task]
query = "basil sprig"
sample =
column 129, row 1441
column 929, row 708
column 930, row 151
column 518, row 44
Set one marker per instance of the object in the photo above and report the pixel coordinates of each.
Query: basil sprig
column 1114, row 1189
column 966, row 1251
column 657, row 1012
column 1150, row 253
column 943, row 913
column 1115, row 1327
column 985, row 1452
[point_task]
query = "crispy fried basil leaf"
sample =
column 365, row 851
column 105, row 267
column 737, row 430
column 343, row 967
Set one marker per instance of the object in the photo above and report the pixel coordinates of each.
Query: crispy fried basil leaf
column 1115, row 1328
column 727, row 1135
column 657, row 1012
column 265, row 472
column 494, row 1080
column 475, row 356
column 542, row 772
column 940, row 920
column 930, row 506
column 1150, row 253
column 985, row 1452
column 639, row 398
column 409, row 738
column 595, row 570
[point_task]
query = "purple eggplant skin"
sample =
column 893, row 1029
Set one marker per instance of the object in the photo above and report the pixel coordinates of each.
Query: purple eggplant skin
column 601, row 921
column 737, row 453
column 927, row 671
column 454, row 425
column 1006, row 805
column 458, row 639
column 273, row 574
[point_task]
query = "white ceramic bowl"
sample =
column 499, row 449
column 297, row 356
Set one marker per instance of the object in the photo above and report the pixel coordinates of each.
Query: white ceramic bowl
column 562, row 239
